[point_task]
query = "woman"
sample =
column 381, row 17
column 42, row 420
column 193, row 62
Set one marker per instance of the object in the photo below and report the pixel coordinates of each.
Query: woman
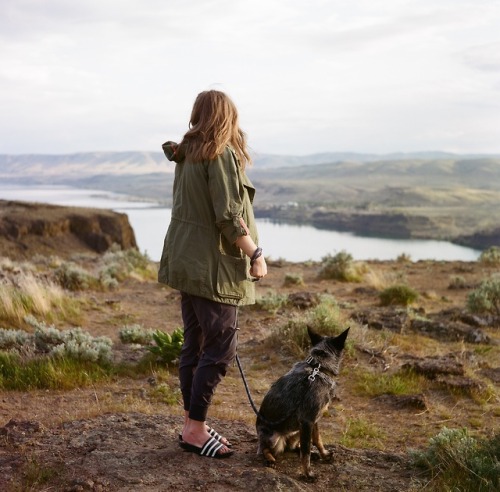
column 211, row 256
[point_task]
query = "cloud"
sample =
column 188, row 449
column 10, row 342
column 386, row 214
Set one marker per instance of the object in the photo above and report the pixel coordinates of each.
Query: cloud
column 322, row 75
column 484, row 57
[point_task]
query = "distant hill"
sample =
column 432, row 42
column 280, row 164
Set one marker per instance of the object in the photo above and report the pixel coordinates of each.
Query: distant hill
column 482, row 173
column 32, row 166
column 87, row 164
column 276, row 161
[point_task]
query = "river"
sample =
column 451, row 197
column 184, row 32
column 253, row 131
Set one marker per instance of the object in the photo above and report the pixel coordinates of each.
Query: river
column 291, row 242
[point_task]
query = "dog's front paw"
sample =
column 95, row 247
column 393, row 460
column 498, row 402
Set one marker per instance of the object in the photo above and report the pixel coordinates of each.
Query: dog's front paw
column 327, row 456
column 308, row 477
column 270, row 464
column 315, row 456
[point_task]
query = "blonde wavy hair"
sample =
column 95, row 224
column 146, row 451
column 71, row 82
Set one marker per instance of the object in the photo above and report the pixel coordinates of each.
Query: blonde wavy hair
column 213, row 125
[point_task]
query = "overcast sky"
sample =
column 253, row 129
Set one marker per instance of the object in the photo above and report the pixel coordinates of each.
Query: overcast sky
column 307, row 76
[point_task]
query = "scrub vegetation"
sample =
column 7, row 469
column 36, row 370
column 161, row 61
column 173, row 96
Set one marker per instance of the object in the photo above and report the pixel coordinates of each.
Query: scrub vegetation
column 341, row 267
column 456, row 460
column 416, row 381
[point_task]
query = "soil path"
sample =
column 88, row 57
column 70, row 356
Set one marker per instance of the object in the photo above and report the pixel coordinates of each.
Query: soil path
column 132, row 452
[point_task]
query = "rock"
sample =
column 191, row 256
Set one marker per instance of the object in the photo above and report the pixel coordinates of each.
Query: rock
column 396, row 225
column 480, row 240
column 304, row 300
column 492, row 373
column 380, row 318
column 27, row 229
column 403, row 401
column 140, row 452
column 431, row 367
column 461, row 383
column 18, row 432
column 448, row 331
column 477, row 336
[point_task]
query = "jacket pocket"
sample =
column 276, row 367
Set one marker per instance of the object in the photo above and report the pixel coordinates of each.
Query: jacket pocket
column 232, row 277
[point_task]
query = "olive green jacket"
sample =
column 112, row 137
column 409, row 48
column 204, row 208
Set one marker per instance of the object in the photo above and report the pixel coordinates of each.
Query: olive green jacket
column 199, row 255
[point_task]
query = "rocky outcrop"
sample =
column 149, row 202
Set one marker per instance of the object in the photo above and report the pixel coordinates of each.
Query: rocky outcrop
column 394, row 225
column 481, row 239
column 449, row 325
column 367, row 223
column 27, row 229
column 132, row 452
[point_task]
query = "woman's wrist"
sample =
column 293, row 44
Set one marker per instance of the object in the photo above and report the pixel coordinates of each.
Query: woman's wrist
column 256, row 255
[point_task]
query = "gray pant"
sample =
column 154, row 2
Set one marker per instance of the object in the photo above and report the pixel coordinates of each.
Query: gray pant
column 209, row 347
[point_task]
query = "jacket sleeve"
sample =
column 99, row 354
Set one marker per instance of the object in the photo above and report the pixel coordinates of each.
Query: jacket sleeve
column 227, row 192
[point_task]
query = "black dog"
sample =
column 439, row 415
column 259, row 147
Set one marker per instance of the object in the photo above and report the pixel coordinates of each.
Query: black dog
column 290, row 411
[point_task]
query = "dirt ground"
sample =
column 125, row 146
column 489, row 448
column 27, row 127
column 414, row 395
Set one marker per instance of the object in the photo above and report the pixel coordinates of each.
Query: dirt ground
column 117, row 437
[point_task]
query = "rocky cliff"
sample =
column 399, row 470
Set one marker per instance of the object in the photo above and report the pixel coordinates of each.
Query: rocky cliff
column 27, row 229
column 482, row 239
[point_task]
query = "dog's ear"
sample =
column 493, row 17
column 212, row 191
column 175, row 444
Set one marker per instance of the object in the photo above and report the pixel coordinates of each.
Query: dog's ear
column 315, row 338
column 339, row 341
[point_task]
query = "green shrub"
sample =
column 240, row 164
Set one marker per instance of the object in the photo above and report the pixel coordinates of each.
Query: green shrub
column 325, row 318
column 271, row 302
column 341, row 267
column 135, row 334
column 165, row 394
column 118, row 265
column 457, row 282
column 13, row 339
column 401, row 294
column 458, row 461
column 486, row 298
column 73, row 343
column 360, row 433
column 73, row 277
column 79, row 345
column 115, row 266
column 400, row 383
column 293, row 279
column 292, row 337
column 167, row 347
column 18, row 373
column 491, row 256
column 403, row 258
column 52, row 359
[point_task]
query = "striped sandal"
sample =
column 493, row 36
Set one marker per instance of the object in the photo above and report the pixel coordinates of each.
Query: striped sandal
column 210, row 449
column 217, row 436
column 214, row 434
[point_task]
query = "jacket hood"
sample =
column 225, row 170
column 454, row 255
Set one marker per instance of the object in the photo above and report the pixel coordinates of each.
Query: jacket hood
column 173, row 151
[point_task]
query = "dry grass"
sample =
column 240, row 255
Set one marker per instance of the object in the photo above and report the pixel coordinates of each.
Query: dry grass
column 27, row 294
column 361, row 433
column 381, row 280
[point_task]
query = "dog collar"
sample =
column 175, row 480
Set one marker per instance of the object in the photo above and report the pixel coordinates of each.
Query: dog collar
column 316, row 366
column 313, row 362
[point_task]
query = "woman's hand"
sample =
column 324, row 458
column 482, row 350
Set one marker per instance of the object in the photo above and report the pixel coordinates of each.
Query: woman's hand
column 259, row 268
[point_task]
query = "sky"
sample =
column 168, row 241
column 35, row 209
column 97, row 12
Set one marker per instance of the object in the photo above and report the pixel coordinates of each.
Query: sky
column 309, row 76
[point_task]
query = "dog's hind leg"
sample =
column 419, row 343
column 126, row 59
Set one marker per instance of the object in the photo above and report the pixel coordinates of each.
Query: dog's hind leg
column 270, row 459
column 293, row 442
column 306, row 431
column 317, row 441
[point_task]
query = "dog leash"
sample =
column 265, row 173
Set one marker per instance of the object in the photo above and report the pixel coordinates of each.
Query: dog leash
column 250, row 399
column 315, row 372
column 247, row 389
column 254, row 407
